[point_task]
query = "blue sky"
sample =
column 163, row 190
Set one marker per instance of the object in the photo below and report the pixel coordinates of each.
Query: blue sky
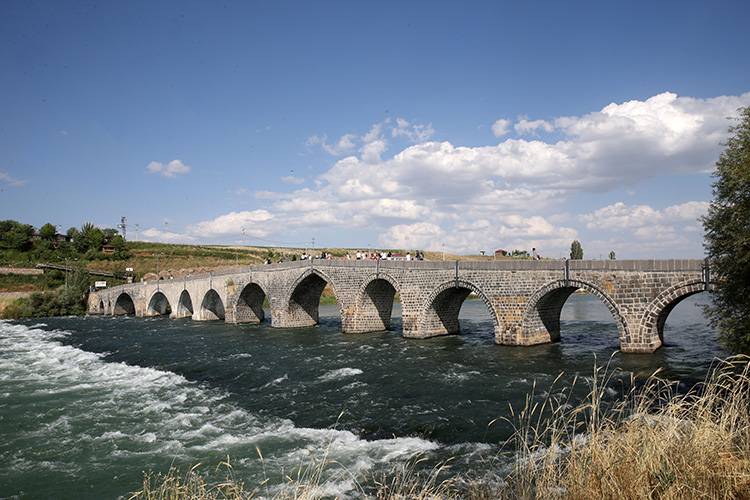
column 422, row 125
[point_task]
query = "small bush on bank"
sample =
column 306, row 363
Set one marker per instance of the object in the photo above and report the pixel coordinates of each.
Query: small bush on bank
column 64, row 301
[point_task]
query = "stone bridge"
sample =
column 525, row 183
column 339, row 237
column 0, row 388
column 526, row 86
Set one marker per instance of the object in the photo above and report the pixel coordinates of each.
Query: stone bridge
column 524, row 297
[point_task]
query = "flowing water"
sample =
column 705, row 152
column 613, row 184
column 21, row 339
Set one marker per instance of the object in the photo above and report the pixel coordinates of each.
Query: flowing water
column 88, row 404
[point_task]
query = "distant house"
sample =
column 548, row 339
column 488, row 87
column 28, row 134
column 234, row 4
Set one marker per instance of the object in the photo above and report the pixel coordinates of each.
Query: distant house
column 501, row 253
column 58, row 238
column 108, row 249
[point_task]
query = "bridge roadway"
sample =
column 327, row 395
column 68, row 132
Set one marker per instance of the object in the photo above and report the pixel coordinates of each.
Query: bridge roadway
column 524, row 297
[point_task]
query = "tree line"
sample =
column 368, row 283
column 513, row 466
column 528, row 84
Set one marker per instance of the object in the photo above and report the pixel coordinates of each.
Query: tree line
column 23, row 242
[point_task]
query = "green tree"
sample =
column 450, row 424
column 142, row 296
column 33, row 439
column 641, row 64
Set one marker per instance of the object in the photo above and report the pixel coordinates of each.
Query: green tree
column 91, row 238
column 16, row 236
column 47, row 232
column 612, row 255
column 121, row 248
column 727, row 238
column 576, row 250
column 109, row 235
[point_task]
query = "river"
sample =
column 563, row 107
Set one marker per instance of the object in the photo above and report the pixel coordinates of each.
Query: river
column 88, row 404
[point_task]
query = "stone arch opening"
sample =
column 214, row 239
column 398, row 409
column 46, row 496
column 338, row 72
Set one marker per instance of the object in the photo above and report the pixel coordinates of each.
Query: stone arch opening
column 441, row 313
column 304, row 301
column 124, row 305
column 101, row 306
column 184, row 306
column 375, row 305
column 655, row 317
column 541, row 321
column 212, row 307
column 158, row 305
column 249, row 307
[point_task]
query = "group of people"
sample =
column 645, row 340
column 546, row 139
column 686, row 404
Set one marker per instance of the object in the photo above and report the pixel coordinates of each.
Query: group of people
column 322, row 255
column 360, row 255
column 386, row 256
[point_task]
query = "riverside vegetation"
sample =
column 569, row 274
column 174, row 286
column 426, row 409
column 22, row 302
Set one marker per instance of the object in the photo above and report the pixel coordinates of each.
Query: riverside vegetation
column 656, row 441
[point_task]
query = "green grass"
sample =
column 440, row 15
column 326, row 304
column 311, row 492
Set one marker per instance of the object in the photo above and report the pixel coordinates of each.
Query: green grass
column 22, row 282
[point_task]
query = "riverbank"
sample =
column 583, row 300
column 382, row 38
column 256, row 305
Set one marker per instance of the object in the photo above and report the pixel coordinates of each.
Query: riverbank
column 655, row 441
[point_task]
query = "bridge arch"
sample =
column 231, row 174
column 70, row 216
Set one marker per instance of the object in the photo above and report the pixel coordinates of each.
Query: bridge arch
column 124, row 305
column 184, row 306
column 101, row 306
column 212, row 307
column 440, row 311
column 654, row 318
column 249, row 306
column 158, row 305
column 541, row 319
column 303, row 301
column 374, row 303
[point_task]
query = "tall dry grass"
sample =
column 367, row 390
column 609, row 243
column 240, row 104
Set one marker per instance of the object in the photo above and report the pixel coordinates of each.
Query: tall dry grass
column 653, row 441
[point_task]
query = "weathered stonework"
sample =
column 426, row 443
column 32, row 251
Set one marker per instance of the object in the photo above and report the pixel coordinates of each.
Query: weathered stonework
column 524, row 297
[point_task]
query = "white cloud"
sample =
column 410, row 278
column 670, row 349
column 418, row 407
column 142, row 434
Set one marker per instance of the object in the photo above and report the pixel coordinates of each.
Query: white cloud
column 641, row 230
column 291, row 179
column 501, row 127
column 414, row 132
column 374, row 143
column 159, row 235
column 690, row 211
column 344, row 145
column 421, row 235
column 170, row 170
column 622, row 216
column 9, row 180
column 254, row 223
column 525, row 126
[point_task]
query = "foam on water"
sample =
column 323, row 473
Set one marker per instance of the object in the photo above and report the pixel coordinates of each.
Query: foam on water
column 339, row 374
column 94, row 413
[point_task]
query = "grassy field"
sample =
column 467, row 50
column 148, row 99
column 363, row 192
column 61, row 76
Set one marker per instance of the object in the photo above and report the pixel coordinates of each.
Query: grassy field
column 180, row 259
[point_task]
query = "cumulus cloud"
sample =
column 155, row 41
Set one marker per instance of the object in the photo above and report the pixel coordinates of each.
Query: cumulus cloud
column 344, row 145
column 159, row 235
column 621, row 216
column 170, row 170
column 372, row 144
column 501, row 127
column 414, row 132
column 642, row 230
column 9, row 180
column 254, row 223
column 525, row 126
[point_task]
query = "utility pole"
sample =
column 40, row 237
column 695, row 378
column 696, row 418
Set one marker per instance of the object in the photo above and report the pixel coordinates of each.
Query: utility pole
column 123, row 226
